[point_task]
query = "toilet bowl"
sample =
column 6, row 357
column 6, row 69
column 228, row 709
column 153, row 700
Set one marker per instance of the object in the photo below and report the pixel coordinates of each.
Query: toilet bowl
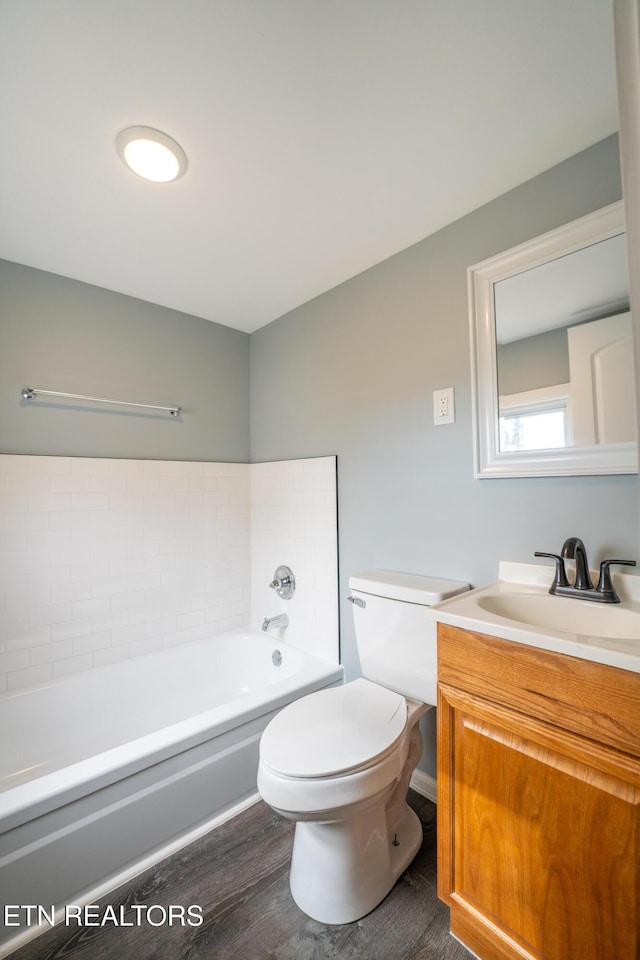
column 334, row 762
column 338, row 762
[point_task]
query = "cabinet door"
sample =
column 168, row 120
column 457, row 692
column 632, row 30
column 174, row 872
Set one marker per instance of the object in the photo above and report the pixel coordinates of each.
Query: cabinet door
column 539, row 835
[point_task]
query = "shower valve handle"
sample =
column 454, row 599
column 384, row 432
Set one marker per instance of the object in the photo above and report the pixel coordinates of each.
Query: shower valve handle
column 278, row 584
column 284, row 582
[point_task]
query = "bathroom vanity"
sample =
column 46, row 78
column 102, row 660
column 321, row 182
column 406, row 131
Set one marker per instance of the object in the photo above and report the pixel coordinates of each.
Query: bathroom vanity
column 538, row 782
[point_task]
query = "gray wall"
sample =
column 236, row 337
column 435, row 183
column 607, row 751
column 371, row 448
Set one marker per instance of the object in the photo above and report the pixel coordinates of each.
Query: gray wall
column 59, row 334
column 352, row 372
column 533, row 362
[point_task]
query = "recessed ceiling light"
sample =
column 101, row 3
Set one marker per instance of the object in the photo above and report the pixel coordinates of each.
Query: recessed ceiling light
column 151, row 154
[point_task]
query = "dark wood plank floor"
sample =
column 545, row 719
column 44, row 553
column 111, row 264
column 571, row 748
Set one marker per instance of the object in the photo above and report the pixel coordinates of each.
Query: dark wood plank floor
column 238, row 874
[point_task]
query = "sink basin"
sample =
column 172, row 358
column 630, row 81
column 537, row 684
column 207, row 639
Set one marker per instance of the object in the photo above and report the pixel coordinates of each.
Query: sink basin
column 548, row 612
column 519, row 607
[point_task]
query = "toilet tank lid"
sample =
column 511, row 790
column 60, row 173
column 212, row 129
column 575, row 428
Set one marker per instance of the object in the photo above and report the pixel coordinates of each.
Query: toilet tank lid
column 410, row 587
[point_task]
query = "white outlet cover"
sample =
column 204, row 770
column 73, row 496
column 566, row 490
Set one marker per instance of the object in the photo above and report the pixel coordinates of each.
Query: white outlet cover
column 444, row 406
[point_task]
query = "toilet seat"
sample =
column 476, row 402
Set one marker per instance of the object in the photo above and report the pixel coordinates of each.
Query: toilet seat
column 334, row 732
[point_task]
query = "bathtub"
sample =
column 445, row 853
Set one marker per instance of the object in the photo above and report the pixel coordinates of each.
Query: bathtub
column 105, row 772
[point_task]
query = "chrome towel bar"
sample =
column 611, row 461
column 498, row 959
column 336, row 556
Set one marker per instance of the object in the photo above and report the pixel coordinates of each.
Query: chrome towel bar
column 30, row 393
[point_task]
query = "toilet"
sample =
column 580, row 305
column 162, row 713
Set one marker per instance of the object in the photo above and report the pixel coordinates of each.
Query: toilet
column 338, row 762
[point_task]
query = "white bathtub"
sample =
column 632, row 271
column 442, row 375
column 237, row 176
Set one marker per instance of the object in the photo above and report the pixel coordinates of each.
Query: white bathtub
column 106, row 771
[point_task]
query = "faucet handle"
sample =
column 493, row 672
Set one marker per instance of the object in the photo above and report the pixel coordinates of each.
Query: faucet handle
column 604, row 583
column 560, row 579
column 284, row 582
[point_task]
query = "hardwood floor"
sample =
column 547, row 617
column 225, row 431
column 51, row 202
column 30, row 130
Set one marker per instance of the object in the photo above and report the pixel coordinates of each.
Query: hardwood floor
column 239, row 875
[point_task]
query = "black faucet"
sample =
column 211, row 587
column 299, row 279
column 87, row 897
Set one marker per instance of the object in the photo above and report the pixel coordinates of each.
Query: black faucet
column 582, row 588
column 573, row 549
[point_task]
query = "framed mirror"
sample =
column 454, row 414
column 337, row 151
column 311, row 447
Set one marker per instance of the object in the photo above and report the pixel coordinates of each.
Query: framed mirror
column 552, row 359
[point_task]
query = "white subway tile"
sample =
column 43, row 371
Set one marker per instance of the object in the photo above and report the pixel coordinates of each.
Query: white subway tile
column 64, row 668
column 145, row 646
column 132, row 633
column 24, row 638
column 43, row 502
column 204, row 483
column 65, row 592
column 175, row 468
column 193, row 499
column 204, row 631
column 13, row 483
column 177, row 637
column 105, row 586
column 69, row 629
column 157, row 500
column 89, row 571
column 102, row 658
column 91, row 642
column 49, row 542
column 17, row 580
column 125, row 502
column 93, row 606
column 51, row 652
column 87, row 465
column 125, row 467
column 69, row 483
column 24, row 522
column 11, row 463
column 68, row 520
column 174, row 484
column 31, row 676
column 13, row 543
column 108, row 621
column 160, row 626
column 14, row 660
column 89, row 501
column 107, row 483
column 48, row 614
column 194, row 618
column 131, row 600
column 13, row 502
column 143, row 483
column 232, row 623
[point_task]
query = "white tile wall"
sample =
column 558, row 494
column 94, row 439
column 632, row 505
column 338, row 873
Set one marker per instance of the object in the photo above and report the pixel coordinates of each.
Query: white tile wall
column 294, row 522
column 104, row 559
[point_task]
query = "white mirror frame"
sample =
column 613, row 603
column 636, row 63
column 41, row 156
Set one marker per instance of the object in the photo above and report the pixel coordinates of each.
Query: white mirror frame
column 489, row 461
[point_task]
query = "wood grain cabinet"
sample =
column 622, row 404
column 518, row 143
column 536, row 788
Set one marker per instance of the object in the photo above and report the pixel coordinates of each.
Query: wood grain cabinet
column 538, row 801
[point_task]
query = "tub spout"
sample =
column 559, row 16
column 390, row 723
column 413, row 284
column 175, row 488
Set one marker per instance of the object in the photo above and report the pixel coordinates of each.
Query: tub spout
column 280, row 620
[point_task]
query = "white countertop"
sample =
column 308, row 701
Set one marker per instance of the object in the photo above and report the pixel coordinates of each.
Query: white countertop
column 518, row 578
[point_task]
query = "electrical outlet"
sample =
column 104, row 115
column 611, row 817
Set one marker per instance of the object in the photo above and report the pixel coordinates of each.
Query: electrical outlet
column 443, row 406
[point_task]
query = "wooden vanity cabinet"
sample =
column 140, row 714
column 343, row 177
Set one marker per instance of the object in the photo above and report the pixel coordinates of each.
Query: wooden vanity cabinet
column 538, row 801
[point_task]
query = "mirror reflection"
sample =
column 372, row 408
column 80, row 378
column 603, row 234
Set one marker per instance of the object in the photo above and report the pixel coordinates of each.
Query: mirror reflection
column 565, row 352
column 552, row 354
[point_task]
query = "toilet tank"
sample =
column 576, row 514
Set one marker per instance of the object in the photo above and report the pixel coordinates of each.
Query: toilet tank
column 396, row 628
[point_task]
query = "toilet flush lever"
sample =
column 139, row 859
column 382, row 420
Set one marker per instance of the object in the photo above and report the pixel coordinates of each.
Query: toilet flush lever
column 357, row 602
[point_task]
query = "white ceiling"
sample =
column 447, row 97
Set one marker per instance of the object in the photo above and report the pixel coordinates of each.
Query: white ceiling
column 323, row 136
